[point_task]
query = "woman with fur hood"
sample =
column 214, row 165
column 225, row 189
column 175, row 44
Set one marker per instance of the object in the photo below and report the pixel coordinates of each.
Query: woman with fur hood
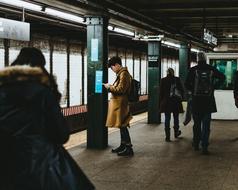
column 33, row 130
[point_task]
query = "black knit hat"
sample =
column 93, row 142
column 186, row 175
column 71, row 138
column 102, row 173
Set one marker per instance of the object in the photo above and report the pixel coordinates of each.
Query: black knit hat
column 113, row 61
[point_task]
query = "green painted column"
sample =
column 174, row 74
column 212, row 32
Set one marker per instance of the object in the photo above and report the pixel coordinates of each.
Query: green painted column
column 97, row 55
column 154, row 70
column 184, row 61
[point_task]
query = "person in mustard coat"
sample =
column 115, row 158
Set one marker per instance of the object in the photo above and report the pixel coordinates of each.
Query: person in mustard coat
column 119, row 115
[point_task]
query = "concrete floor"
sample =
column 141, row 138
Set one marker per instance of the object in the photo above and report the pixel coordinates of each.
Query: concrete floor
column 159, row 165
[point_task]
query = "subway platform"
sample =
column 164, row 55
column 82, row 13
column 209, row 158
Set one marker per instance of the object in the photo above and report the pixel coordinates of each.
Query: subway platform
column 159, row 165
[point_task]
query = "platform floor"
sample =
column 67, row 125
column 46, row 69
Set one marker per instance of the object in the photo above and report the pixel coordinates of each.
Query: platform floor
column 159, row 165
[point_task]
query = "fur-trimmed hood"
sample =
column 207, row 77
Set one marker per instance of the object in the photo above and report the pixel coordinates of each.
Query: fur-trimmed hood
column 14, row 74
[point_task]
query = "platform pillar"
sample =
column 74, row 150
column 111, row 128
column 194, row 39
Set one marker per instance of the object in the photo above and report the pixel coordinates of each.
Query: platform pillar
column 97, row 102
column 154, row 76
column 184, row 61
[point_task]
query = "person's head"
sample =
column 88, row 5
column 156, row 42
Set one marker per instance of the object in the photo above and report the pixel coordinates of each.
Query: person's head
column 170, row 72
column 30, row 56
column 114, row 63
column 201, row 57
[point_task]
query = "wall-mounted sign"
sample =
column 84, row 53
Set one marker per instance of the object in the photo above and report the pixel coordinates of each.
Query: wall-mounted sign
column 98, row 82
column 214, row 40
column 153, row 58
column 209, row 37
column 15, row 30
column 94, row 49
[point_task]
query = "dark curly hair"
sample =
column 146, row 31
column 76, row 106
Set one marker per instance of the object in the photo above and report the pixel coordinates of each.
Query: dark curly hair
column 113, row 60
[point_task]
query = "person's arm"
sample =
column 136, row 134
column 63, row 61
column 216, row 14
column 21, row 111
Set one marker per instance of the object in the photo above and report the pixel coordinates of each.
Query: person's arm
column 189, row 81
column 56, row 128
column 219, row 77
column 182, row 88
column 235, row 89
column 123, row 85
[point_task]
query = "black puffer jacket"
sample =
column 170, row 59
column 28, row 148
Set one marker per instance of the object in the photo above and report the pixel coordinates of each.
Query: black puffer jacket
column 31, row 128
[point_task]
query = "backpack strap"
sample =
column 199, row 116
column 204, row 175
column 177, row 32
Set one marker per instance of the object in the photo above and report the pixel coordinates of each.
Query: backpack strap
column 128, row 90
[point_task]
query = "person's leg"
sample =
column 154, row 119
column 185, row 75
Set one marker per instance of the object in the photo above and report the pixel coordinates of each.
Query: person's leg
column 123, row 142
column 196, row 131
column 127, row 136
column 206, row 123
column 167, row 126
column 177, row 132
column 128, row 151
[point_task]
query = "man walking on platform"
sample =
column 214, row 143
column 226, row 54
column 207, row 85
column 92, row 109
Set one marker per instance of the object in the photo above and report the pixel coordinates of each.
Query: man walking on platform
column 200, row 81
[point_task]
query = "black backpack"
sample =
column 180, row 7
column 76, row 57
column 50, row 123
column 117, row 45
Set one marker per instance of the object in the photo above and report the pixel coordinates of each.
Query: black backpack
column 133, row 94
column 175, row 92
column 203, row 84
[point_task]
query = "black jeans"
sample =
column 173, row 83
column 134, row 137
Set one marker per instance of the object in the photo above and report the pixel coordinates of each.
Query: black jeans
column 201, row 129
column 125, row 136
column 167, row 121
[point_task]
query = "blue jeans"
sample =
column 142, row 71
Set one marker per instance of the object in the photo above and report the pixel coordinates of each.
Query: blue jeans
column 167, row 121
column 201, row 129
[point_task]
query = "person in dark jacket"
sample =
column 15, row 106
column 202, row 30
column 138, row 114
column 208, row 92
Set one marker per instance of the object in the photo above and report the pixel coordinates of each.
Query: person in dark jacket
column 202, row 105
column 32, row 128
column 170, row 101
column 235, row 89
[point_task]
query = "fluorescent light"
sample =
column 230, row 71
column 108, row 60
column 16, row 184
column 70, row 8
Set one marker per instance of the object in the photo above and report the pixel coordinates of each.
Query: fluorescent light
column 22, row 4
column 171, row 44
column 142, row 37
column 123, row 31
column 195, row 50
column 110, row 28
column 64, row 15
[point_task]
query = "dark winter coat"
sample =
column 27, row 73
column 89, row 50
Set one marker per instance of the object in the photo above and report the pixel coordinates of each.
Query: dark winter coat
column 32, row 131
column 169, row 104
column 203, row 104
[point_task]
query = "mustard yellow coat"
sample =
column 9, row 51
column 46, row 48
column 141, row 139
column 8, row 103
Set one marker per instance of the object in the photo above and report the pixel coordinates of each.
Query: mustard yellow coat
column 118, row 109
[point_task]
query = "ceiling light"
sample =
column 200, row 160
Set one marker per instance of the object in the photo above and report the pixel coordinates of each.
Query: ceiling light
column 142, row 37
column 110, row 28
column 64, row 15
column 171, row 44
column 123, row 31
column 195, row 50
column 22, row 4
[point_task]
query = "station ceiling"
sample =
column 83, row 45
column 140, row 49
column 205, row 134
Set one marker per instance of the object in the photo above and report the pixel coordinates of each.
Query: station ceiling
column 191, row 16
column 182, row 20
column 185, row 18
